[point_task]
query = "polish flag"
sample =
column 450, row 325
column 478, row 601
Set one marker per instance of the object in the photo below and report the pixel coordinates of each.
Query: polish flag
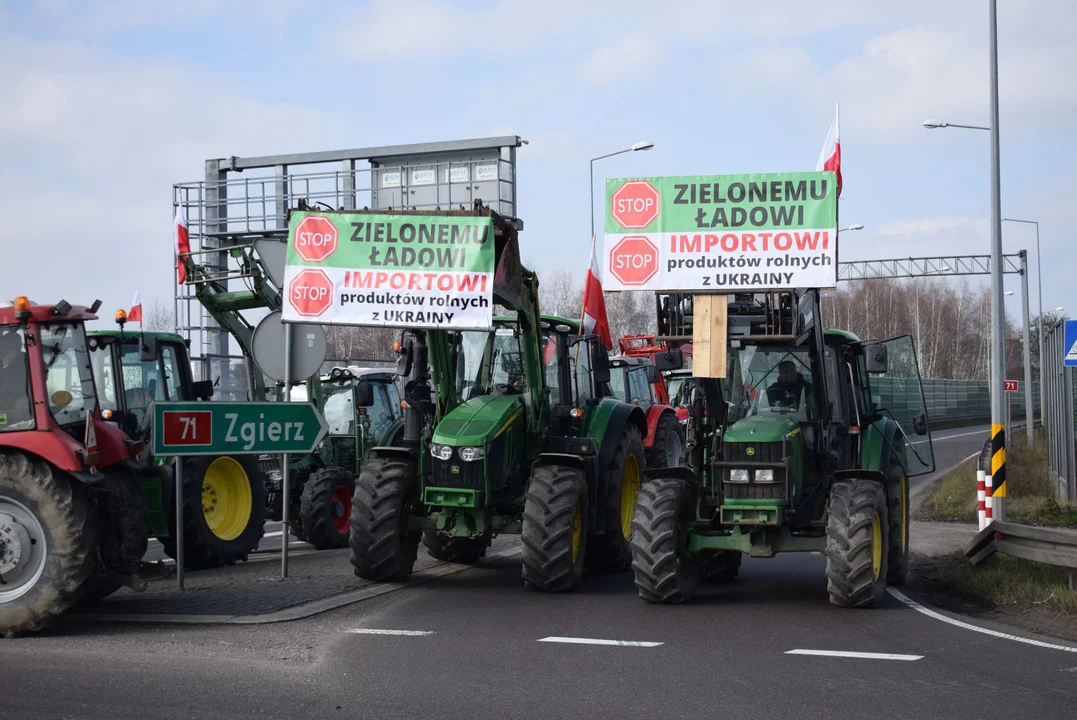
column 135, row 313
column 182, row 242
column 594, row 303
column 830, row 157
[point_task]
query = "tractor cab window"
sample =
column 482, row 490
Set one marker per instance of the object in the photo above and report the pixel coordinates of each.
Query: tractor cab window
column 490, row 363
column 551, row 345
column 641, row 390
column 619, row 381
column 104, row 374
column 394, row 400
column 580, row 366
column 16, row 409
column 68, row 373
column 507, row 364
column 339, row 408
column 776, row 381
column 836, row 383
column 172, row 372
column 381, row 412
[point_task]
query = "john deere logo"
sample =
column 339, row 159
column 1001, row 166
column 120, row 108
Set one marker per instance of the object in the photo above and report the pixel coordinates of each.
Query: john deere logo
column 750, row 451
column 455, row 469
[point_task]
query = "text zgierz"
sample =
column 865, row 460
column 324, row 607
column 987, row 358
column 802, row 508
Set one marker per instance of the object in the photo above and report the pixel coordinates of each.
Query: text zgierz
column 249, row 432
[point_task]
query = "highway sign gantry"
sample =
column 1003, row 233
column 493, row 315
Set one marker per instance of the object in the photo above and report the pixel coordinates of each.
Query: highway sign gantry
column 236, row 428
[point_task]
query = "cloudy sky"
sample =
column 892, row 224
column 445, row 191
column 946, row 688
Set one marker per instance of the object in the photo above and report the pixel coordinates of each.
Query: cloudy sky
column 104, row 105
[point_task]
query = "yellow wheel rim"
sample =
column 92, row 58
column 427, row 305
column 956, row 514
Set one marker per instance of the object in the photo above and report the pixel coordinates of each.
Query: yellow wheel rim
column 629, row 494
column 876, row 545
column 904, row 513
column 577, row 531
column 226, row 498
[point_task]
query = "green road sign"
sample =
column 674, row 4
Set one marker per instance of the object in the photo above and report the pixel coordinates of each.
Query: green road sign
column 236, row 428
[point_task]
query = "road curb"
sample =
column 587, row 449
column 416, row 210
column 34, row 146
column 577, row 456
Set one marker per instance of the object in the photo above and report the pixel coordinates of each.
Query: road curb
column 297, row 612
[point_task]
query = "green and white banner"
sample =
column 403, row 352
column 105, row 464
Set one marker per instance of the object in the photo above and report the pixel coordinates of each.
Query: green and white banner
column 420, row 271
column 722, row 233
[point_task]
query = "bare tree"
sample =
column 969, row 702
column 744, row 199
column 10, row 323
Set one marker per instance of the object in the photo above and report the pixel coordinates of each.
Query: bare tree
column 158, row 317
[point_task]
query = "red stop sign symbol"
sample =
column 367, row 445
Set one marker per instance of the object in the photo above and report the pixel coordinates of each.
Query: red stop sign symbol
column 310, row 293
column 635, row 204
column 634, row 260
column 315, row 238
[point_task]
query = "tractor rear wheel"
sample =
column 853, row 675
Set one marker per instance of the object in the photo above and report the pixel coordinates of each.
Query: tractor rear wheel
column 668, row 447
column 719, row 566
column 48, row 544
column 224, row 505
column 611, row 551
column 467, row 551
column 856, row 544
column 555, row 529
column 897, row 496
column 383, row 549
column 661, row 575
column 325, row 508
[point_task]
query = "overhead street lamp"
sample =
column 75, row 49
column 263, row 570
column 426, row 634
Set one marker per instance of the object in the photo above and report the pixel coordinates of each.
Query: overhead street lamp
column 851, row 228
column 935, row 124
column 641, row 145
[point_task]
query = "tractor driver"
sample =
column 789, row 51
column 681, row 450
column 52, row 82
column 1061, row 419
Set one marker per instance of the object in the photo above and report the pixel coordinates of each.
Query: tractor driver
column 791, row 384
column 14, row 385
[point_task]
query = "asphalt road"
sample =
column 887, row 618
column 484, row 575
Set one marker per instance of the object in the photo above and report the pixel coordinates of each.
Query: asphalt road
column 478, row 645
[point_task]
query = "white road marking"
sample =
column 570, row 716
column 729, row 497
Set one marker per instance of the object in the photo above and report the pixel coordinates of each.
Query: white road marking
column 968, row 626
column 863, row 655
column 373, row 631
column 596, row 641
column 274, row 534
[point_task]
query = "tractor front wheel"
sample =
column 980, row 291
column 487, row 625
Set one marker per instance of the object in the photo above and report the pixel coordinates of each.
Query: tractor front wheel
column 383, row 548
column 555, row 529
column 467, row 551
column 48, row 544
column 856, row 544
column 662, row 574
column 224, row 505
column 325, row 508
column 611, row 551
column 668, row 448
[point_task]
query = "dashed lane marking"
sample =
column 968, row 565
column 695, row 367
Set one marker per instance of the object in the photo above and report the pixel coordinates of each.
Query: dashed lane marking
column 975, row 628
column 861, row 655
column 597, row 641
column 375, row 631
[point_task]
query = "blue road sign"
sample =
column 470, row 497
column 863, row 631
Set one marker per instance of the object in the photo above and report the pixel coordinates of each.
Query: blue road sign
column 1069, row 345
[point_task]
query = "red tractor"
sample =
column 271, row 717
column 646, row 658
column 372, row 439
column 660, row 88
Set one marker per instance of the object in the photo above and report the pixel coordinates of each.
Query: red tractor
column 667, row 389
column 73, row 514
column 635, row 380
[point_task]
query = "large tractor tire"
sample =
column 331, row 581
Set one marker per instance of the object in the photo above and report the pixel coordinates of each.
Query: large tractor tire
column 383, row 549
column 668, row 447
column 48, row 544
column 897, row 497
column 720, row 566
column 661, row 576
column 555, row 529
column 224, row 504
column 611, row 552
column 123, row 522
column 325, row 508
column 856, row 544
column 466, row 551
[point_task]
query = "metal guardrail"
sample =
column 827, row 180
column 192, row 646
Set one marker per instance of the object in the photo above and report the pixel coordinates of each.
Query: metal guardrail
column 1050, row 546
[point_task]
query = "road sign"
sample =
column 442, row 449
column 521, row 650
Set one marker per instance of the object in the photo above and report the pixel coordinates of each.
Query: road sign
column 308, row 349
column 635, row 204
column 1069, row 344
column 310, row 293
column 236, row 428
column 634, row 260
column 1009, row 385
column 315, row 238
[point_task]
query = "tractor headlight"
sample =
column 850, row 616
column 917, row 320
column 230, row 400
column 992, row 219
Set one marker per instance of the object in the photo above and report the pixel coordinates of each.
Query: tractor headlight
column 738, row 476
column 764, row 476
column 441, row 452
column 470, row 454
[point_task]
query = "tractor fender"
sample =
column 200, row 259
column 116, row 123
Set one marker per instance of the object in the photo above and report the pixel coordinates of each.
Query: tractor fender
column 671, row 473
column 383, row 451
column 653, row 416
column 57, row 449
column 860, row 474
column 586, row 464
column 880, row 441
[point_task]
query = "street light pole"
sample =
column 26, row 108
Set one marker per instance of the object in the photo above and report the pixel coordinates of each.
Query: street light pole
column 642, row 145
column 998, row 328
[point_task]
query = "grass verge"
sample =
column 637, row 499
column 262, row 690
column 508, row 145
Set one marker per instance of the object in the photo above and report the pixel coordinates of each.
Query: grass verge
column 1030, row 491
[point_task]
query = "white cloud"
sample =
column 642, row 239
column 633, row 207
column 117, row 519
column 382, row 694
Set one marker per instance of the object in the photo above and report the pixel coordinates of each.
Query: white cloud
column 625, row 56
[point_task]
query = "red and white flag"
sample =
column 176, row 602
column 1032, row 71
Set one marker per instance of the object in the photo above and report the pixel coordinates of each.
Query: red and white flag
column 830, row 157
column 594, row 303
column 183, row 243
column 135, row 313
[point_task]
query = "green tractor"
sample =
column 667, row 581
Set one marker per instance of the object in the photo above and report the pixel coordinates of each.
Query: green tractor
column 225, row 496
column 506, row 431
column 790, row 453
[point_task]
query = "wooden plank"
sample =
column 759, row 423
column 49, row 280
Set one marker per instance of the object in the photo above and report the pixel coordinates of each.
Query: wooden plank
column 709, row 342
